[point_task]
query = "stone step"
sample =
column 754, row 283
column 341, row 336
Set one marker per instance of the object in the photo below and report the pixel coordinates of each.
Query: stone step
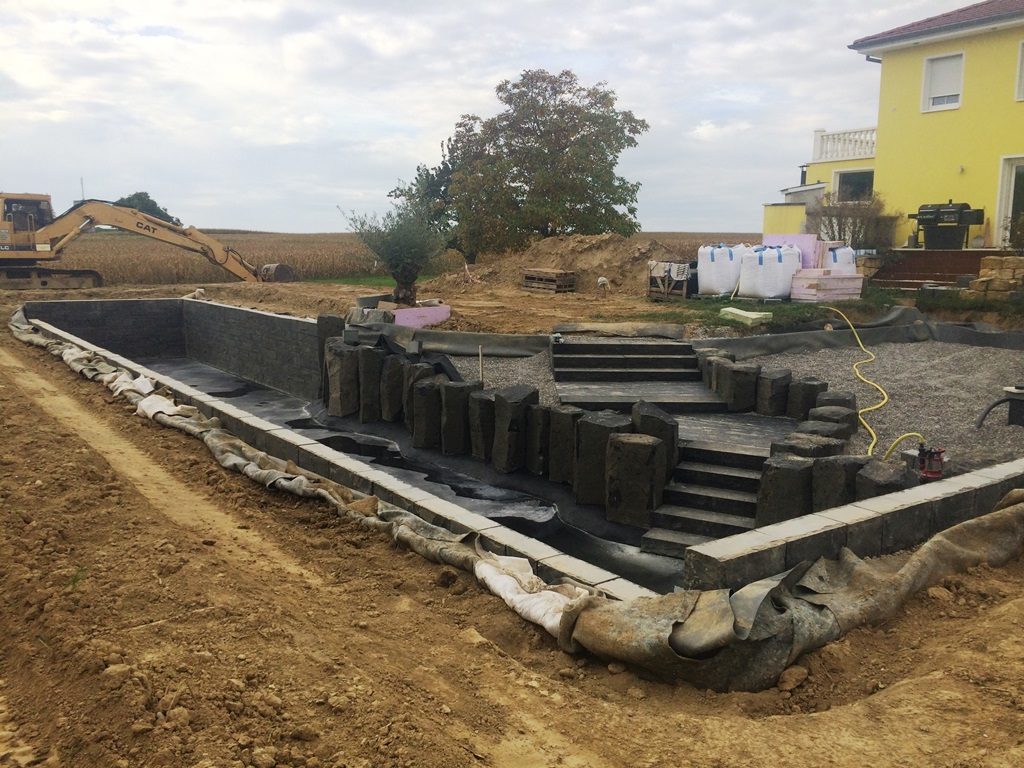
column 646, row 373
column 718, row 476
column 620, row 347
column 681, row 404
column 658, row 541
column 700, row 522
column 742, row 456
column 624, row 361
column 715, row 499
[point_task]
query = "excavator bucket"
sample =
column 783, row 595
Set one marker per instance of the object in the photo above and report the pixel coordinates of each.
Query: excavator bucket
column 277, row 273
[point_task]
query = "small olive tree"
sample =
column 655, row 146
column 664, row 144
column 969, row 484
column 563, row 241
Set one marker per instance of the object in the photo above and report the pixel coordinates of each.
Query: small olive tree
column 404, row 241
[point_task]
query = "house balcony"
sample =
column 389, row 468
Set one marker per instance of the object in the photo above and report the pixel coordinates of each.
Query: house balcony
column 843, row 145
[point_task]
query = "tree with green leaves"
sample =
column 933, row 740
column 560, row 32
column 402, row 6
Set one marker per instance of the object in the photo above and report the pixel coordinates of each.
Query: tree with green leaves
column 543, row 166
column 404, row 241
column 142, row 202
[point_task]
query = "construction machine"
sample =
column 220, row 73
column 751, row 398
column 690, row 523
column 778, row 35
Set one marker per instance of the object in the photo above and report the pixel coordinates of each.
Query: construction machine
column 31, row 235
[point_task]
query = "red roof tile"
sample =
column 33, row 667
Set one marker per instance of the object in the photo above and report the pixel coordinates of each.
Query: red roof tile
column 978, row 14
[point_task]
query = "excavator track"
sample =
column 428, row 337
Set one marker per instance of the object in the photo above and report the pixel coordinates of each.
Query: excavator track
column 41, row 278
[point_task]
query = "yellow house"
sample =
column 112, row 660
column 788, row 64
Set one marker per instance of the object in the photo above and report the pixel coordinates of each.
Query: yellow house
column 950, row 125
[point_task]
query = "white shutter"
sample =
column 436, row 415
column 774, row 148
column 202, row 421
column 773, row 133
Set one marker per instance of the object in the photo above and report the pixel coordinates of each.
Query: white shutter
column 943, row 80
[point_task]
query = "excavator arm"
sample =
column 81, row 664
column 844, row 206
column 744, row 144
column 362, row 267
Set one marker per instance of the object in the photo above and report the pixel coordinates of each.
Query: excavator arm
column 69, row 225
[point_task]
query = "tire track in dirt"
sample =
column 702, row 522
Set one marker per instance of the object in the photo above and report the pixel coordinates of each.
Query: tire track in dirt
column 162, row 490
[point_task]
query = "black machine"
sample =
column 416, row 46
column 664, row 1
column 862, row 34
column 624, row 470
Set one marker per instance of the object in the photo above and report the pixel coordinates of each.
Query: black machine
column 945, row 225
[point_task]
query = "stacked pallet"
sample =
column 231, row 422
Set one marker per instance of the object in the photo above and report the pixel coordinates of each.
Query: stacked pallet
column 999, row 279
column 553, row 280
column 813, row 285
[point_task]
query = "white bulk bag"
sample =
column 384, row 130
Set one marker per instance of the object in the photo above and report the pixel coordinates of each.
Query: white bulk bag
column 842, row 261
column 718, row 268
column 767, row 272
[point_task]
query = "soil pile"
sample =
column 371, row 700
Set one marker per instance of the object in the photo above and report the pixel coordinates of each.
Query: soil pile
column 622, row 260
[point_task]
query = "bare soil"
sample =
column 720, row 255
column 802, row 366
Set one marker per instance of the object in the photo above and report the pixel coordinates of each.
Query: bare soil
column 160, row 611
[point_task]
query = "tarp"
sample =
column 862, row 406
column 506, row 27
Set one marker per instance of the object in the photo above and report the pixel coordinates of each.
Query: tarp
column 716, row 639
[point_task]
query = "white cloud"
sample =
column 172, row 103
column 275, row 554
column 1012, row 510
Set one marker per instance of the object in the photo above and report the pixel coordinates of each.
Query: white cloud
column 265, row 113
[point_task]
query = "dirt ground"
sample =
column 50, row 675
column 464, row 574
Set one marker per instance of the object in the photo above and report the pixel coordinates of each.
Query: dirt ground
column 160, row 611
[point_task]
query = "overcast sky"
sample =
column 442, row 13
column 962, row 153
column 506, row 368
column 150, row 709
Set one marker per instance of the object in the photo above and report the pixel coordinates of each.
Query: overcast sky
column 266, row 114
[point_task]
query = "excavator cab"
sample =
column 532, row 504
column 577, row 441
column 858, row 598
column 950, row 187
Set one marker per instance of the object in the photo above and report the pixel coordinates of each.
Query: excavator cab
column 27, row 215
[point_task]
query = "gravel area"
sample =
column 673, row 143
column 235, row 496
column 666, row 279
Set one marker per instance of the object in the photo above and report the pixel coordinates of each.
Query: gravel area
column 507, row 371
column 936, row 389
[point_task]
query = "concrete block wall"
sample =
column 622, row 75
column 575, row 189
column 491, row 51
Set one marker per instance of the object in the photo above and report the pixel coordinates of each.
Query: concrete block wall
column 273, row 350
column 132, row 327
column 548, row 562
column 871, row 527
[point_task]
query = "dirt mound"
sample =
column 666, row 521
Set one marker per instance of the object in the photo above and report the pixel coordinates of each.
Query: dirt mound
column 622, row 260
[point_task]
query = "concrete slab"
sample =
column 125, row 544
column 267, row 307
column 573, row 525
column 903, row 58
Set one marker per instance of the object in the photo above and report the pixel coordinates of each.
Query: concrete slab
column 733, row 561
column 552, row 568
column 808, row 537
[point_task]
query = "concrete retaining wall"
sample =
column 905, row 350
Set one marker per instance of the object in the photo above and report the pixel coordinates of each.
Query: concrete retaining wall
column 132, row 327
column 272, row 350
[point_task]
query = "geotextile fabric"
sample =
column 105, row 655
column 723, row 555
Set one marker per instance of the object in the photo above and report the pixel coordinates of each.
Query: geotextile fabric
column 741, row 640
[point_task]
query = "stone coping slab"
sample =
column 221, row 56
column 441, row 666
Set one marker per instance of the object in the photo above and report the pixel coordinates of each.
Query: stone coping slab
column 548, row 562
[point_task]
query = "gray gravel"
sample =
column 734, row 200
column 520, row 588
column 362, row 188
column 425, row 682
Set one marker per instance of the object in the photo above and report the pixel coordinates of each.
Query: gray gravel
column 934, row 388
column 506, row 371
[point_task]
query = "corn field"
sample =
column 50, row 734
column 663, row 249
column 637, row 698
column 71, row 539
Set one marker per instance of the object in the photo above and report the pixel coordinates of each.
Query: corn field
column 125, row 259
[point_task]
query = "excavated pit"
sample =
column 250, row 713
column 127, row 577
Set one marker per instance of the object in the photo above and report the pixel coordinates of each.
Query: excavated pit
column 268, row 366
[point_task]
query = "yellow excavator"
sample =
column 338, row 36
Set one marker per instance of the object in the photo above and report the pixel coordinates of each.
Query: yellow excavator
column 30, row 235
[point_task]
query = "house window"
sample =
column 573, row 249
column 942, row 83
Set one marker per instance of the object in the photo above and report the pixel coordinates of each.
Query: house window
column 943, row 82
column 855, row 186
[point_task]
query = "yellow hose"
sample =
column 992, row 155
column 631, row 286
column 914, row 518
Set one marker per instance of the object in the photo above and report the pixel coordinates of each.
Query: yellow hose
column 885, row 395
column 900, row 439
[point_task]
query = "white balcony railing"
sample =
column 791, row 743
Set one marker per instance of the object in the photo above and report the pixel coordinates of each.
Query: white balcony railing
column 843, row 145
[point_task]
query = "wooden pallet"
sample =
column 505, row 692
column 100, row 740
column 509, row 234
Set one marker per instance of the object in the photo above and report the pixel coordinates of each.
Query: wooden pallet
column 553, row 280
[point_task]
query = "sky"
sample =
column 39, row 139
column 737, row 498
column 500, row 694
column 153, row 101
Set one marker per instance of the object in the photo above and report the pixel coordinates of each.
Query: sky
column 274, row 114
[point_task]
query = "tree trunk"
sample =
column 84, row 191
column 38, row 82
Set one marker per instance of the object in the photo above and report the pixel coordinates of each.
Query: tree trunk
column 405, row 293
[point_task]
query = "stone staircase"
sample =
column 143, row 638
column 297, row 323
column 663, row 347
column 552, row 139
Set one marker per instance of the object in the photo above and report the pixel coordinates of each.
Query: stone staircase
column 713, row 494
column 614, row 373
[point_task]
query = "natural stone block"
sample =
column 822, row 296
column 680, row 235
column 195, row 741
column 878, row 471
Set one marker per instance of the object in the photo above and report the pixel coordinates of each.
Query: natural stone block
column 803, row 395
column 825, row 429
column 785, row 493
column 773, row 392
column 481, row 423
column 392, row 387
column 343, row 377
column 835, row 481
column 878, row 478
column 635, row 478
column 649, row 419
column 538, row 421
column 835, row 397
column 742, row 392
column 708, row 372
column 836, row 414
column 808, row 446
column 455, row 433
column 592, row 434
column 426, row 425
column 371, row 361
column 413, row 373
column 721, row 377
column 562, row 442
column 510, row 404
